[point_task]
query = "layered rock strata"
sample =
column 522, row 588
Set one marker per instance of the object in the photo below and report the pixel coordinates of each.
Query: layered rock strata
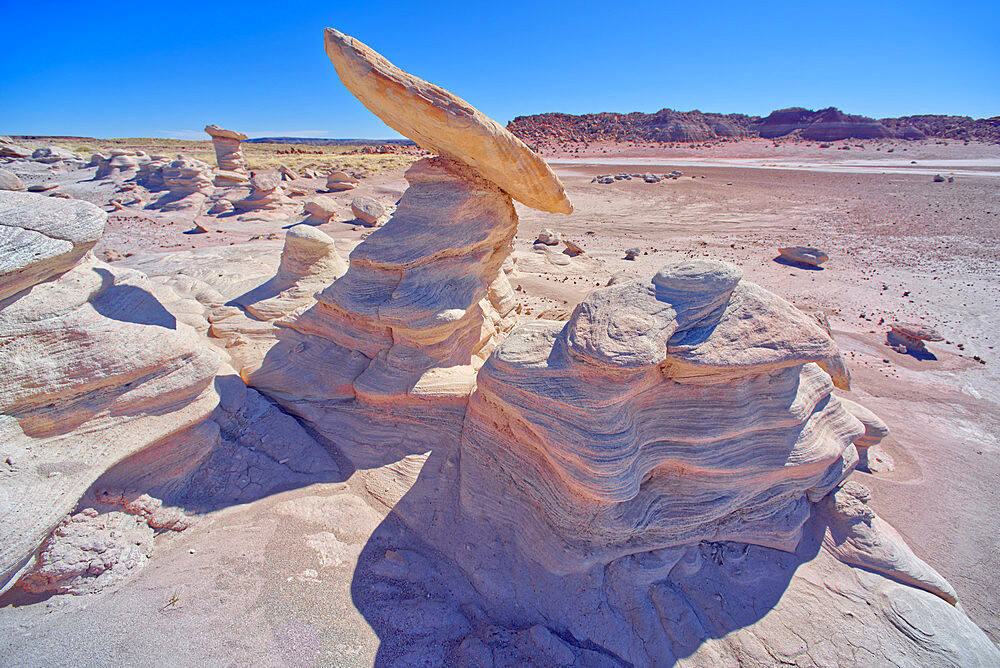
column 41, row 238
column 95, row 369
column 188, row 181
column 228, row 152
column 663, row 413
column 421, row 306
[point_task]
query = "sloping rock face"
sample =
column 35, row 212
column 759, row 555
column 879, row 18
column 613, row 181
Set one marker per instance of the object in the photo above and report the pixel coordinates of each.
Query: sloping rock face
column 42, row 237
column 663, row 413
column 95, row 369
column 829, row 124
column 445, row 124
column 418, row 311
column 228, row 153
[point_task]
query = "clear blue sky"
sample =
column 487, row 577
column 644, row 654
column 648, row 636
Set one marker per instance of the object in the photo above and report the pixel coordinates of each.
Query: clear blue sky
column 130, row 69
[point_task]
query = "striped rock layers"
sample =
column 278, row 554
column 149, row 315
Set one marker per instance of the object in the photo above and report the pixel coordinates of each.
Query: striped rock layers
column 662, row 414
column 94, row 370
column 420, row 308
column 228, row 152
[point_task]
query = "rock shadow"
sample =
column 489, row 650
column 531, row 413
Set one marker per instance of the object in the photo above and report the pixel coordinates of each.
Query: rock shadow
column 440, row 587
column 128, row 303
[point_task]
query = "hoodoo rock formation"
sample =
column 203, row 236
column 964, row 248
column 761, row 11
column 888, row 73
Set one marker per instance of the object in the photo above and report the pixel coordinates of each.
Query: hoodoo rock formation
column 662, row 475
column 423, row 302
column 228, row 152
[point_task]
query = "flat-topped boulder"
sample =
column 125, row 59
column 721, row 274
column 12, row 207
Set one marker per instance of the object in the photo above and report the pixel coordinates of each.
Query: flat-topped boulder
column 804, row 256
column 443, row 123
column 42, row 237
column 909, row 337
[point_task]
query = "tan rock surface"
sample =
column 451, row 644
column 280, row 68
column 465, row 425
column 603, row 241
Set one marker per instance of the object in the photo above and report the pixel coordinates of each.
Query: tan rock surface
column 445, row 124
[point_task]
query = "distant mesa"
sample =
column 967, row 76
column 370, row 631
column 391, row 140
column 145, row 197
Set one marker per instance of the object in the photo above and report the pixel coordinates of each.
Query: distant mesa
column 828, row 124
column 669, row 126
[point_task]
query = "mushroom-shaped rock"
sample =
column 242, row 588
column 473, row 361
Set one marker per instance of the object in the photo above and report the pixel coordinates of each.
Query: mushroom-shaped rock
column 10, row 181
column 309, row 263
column 42, row 237
column 805, row 256
column 340, row 181
column 445, row 124
column 421, row 306
column 367, row 210
column 875, row 431
column 909, row 337
column 265, row 193
column 228, row 153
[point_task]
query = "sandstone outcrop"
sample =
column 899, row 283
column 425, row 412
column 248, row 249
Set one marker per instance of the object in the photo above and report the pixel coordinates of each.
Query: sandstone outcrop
column 10, row 181
column 875, row 431
column 692, row 391
column 188, row 181
column 52, row 155
column 8, row 149
column 445, row 124
column 548, row 237
column 150, row 173
column 228, row 152
column 121, row 164
column 42, row 238
column 420, row 307
column 265, row 193
column 322, row 208
column 829, row 124
column 95, row 369
column 857, row 536
column 368, row 210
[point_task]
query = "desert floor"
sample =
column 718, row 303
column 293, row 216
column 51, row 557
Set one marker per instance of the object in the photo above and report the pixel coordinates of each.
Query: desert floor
column 244, row 582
